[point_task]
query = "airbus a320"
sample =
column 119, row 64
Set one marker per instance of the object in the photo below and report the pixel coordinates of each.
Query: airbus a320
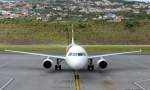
column 76, row 57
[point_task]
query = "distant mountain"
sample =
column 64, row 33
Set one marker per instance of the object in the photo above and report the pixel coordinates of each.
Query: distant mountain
column 131, row 0
column 139, row 0
column 109, row 0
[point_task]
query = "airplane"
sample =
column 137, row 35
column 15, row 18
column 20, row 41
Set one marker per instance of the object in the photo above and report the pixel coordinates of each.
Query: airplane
column 76, row 57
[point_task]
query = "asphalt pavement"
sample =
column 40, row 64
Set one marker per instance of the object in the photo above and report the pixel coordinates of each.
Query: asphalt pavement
column 25, row 72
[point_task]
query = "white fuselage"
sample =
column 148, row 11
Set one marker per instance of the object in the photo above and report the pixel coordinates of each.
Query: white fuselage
column 76, row 57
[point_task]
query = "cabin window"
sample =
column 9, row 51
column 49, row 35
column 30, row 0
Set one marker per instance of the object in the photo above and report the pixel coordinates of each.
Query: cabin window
column 81, row 54
column 70, row 54
column 74, row 54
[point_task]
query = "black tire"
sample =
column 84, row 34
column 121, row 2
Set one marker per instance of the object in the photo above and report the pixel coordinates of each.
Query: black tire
column 59, row 67
column 56, row 67
column 90, row 67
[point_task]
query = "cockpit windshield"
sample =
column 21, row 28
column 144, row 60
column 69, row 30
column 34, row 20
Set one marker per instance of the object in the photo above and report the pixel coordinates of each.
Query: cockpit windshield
column 76, row 54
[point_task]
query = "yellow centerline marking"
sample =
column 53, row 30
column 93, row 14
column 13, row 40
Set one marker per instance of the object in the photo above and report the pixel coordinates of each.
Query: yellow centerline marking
column 77, row 81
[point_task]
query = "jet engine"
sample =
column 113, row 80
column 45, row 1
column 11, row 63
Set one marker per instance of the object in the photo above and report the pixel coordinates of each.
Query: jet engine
column 47, row 63
column 102, row 63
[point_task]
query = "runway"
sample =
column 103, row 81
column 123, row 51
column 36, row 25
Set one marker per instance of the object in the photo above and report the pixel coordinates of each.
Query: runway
column 24, row 72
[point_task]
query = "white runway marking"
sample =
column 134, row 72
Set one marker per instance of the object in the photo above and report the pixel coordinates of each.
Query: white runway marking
column 7, row 83
column 138, row 83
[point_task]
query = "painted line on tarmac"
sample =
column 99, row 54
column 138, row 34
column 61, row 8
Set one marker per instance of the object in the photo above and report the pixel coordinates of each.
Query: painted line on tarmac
column 138, row 83
column 6, row 84
column 77, row 81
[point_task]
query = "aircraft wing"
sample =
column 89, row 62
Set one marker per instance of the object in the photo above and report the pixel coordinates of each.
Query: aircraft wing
column 37, row 54
column 112, row 54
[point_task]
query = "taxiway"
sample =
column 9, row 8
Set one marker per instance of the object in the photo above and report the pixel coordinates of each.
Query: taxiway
column 25, row 72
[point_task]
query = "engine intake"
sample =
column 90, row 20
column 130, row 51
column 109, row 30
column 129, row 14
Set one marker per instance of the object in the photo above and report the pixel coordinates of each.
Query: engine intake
column 102, row 63
column 47, row 63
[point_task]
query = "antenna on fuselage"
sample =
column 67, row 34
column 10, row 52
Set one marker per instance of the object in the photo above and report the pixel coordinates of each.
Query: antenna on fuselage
column 72, row 42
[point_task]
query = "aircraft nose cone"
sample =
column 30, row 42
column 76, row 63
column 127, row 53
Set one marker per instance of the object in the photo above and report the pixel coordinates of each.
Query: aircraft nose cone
column 78, row 64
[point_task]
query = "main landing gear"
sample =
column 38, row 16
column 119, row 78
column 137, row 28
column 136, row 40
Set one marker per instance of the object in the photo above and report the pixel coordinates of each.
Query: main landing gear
column 58, row 66
column 90, row 65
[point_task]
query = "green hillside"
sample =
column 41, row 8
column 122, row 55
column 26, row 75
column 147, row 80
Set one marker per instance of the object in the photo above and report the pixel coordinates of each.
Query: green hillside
column 90, row 32
column 50, row 0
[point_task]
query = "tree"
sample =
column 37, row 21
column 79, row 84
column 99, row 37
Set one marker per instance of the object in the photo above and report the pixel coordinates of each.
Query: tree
column 130, row 25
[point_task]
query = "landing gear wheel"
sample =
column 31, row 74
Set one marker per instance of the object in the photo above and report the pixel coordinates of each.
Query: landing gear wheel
column 90, row 67
column 57, row 67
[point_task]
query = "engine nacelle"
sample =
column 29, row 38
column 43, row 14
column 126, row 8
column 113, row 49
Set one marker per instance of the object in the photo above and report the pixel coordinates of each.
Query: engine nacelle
column 47, row 63
column 102, row 63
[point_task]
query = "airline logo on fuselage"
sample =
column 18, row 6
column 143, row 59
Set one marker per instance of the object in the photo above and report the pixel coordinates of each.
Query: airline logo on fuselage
column 76, row 54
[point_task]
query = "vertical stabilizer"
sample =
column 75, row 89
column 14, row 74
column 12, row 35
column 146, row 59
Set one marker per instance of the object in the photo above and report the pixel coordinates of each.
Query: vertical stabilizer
column 72, row 42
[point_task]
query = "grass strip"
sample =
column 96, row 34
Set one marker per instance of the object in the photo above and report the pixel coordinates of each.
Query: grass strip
column 89, row 48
